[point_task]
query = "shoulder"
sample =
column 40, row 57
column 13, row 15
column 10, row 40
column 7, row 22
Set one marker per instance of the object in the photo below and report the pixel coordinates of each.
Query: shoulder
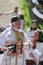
column 8, row 30
column 5, row 31
column 9, row 25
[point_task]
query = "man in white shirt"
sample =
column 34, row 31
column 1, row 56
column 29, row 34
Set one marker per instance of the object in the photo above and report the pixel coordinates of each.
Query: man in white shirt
column 12, row 13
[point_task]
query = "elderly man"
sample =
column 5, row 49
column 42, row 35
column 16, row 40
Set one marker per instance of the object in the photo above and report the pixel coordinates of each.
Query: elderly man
column 15, row 37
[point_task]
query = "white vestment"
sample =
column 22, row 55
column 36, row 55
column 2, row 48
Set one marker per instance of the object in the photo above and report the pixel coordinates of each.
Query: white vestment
column 10, row 36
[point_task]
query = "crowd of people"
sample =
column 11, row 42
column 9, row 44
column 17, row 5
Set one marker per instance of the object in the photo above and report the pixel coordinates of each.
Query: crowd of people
column 20, row 45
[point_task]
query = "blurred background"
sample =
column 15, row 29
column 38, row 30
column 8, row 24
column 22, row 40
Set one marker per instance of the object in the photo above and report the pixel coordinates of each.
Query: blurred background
column 32, row 9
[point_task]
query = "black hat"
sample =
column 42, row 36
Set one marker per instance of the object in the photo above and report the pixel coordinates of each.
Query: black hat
column 14, row 19
column 34, row 21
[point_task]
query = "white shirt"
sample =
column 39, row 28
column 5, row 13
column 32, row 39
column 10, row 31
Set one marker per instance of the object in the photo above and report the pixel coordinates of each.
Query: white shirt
column 30, row 33
column 12, row 13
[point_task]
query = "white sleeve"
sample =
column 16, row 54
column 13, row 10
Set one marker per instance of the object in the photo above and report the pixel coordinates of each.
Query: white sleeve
column 3, row 37
column 7, row 13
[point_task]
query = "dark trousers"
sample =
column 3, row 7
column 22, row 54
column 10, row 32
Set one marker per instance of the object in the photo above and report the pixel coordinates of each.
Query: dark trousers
column 40, row 62
column 30, row 62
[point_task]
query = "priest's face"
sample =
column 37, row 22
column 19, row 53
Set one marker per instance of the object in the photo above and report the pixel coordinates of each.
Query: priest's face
column 16, row 25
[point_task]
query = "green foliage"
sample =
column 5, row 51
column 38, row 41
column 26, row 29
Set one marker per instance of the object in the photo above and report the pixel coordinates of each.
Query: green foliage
column 25, row 11
column 40, row 26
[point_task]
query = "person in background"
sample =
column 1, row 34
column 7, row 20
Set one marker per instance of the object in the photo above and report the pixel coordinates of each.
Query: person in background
column 33, row 27
column 32, row 55
column 33, row 35
column 12, row 13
